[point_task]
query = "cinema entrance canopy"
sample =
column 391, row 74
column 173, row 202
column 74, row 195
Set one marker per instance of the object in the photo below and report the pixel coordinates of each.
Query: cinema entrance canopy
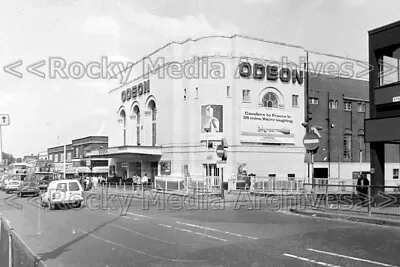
column 130, row 153
column 383, row 127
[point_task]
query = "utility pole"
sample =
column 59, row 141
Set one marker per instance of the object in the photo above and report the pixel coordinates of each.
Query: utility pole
column 329, row 137
column 65, row 161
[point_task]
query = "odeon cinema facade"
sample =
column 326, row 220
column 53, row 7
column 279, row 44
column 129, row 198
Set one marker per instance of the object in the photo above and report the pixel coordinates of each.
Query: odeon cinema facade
column 190, row 94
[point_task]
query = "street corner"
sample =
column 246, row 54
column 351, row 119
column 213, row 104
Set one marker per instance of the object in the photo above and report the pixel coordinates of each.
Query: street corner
column 374, row 220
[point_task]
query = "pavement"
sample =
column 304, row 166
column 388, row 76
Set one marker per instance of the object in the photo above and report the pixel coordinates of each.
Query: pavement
column 119, row 230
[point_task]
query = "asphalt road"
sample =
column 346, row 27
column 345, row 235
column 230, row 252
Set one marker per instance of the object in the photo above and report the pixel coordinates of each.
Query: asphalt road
column 97, row 235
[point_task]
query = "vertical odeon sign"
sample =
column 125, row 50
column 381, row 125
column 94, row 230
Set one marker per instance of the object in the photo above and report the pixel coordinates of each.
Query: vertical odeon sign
column 135, row 91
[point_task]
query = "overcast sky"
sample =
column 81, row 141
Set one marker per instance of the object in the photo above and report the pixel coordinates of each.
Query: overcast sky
column 43, row 109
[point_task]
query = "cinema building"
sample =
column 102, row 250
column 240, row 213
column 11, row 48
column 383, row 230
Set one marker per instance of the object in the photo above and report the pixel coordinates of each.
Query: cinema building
column 194, row 93
column 181, row 100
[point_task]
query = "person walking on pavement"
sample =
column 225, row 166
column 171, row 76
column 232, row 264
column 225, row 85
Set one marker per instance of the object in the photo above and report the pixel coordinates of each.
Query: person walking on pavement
column 362, row 188
column 95, row 182
column 145, row 181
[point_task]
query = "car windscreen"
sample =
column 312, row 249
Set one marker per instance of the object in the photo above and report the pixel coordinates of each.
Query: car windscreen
column 13, row 183
column 32, row 184
column 73, row 186
column 62, row 187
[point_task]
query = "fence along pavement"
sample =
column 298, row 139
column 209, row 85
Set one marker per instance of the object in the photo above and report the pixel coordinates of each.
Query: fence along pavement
column 13, row 250
column 344, row 197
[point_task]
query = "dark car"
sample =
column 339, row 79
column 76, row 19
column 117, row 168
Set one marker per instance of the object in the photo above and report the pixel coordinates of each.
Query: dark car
column 43, row 184
column 29, row 188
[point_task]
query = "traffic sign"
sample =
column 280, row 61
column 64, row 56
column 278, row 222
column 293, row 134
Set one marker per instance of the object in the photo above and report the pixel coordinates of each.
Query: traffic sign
column 4, row 119
column 311, row 141
column 220, row 151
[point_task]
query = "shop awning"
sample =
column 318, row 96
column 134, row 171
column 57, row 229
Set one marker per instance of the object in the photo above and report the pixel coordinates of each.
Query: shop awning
column 126, row 152
column 100, row 169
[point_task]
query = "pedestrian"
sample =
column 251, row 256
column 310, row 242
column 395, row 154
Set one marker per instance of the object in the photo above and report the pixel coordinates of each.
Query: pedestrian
column 362, row 188
column 95, row 182
column 145, row 180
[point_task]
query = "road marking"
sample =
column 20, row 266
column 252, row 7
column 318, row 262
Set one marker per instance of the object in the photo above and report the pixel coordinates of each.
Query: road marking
column 137, row 251
column 312, row 261
column 196, row 233
column 119, row 215
column 215, row 230
column 156, row 239
column 139, row 215
column 351, row 258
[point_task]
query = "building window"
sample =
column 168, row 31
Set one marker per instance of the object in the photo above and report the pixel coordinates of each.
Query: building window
column 228, row 91
column 197, row 92
column 272, row 175
column 361, row 107
column 270, row 100
column 333, row 104
column 69, row 156
column 55, row 157
column 395, row 173
column 347, row 147
column 291, row 175
column 313, row 101
column 246, row 95
column 347, row 105
column 76, row 152
column 389, row 69
column 295, row 100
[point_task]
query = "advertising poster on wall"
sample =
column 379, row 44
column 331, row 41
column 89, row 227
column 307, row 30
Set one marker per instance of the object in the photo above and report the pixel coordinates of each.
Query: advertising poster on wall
column 261, row 125
column 212, row 119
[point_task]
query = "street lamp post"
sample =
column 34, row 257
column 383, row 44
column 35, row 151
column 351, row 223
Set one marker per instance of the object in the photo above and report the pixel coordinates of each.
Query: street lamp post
column 207, row 130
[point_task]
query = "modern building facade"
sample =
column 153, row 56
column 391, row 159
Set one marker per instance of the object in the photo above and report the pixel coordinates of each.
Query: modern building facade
column 384, row 91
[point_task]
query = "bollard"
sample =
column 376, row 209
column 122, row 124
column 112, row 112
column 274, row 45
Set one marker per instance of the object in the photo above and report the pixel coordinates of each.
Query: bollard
column 369, row 201
column 116, row 187
column 124, row 188
column 179, row 186
column 166, row 185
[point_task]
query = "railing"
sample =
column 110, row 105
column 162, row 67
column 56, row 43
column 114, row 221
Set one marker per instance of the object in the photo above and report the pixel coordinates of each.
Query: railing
column 13, row 250
column 189, row 185
column 379, row 200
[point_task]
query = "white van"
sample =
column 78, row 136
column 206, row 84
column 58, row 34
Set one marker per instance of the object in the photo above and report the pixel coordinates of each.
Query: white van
column 63, row 192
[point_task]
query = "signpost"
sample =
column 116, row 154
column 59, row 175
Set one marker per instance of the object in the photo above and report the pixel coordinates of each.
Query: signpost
column 311, row 143
column 220, row 151
column 4, row 121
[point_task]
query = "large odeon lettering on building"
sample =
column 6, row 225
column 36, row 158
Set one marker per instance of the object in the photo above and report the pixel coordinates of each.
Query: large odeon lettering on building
column 271, row 72
column 135, row 91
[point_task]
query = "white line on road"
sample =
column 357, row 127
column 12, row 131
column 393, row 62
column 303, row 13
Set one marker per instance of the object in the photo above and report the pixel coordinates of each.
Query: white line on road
column 351, row 258
column 119, row 215
column 139, row 215
column 312, row 261
column 156, row 239
column 215, row 230
column 138, row 251
column 196, row 233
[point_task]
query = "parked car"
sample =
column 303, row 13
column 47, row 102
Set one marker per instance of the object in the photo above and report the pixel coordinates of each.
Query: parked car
column 29, row 188
column 12, row 186
column 63, row 192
